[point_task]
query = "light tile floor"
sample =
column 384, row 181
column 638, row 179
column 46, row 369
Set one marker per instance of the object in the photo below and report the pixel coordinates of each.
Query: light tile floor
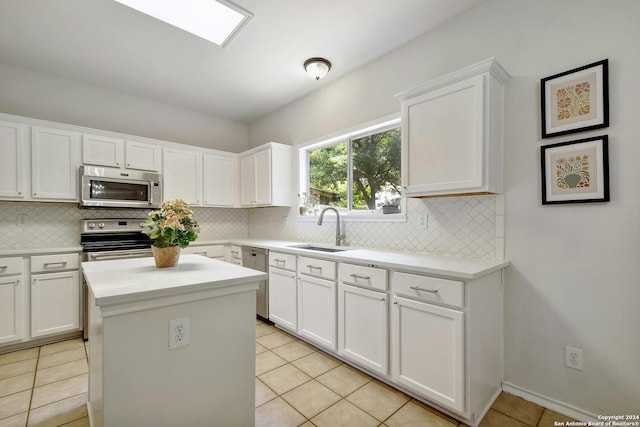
column 296, row 385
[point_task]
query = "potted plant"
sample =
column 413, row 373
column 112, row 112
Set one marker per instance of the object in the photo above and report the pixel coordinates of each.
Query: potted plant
column 171, row 228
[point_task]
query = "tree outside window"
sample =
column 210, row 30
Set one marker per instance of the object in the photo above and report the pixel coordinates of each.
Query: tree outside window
column 361, row 173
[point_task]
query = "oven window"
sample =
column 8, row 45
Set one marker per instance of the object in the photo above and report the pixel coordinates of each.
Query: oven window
column 109, row 190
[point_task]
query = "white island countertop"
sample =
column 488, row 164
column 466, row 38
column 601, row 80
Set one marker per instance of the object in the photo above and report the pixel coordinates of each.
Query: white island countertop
column 129, row 280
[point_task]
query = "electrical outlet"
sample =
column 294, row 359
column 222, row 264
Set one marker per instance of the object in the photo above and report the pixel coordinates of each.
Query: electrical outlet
column 573, row 358
column 424, row 221
column 179, row 334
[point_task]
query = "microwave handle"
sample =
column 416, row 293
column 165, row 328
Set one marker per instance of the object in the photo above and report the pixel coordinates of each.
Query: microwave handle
column 151, row 192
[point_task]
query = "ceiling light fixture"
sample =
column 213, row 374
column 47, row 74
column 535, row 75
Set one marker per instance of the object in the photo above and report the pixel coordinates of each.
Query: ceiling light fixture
column 317, row 67
column 218, row 21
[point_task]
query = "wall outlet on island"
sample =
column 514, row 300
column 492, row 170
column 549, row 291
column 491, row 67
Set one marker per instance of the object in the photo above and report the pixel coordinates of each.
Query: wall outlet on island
column 179, row 333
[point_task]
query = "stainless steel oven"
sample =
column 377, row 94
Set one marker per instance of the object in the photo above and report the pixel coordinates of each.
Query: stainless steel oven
column 106, row 239
column 119, row 188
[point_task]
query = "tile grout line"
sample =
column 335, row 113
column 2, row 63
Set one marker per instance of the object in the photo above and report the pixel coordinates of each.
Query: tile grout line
column 33, row 386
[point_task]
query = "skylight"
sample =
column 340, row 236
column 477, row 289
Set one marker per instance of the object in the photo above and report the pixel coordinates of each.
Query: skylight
column 213, row 20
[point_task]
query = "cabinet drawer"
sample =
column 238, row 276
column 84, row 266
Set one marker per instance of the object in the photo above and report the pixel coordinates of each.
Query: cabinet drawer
column 235, row 252
column 360, row 275
column 286, row 261
column 213, row 251
column 317, row 267
column 430, row 289
column 45, row 263
column 10, row 266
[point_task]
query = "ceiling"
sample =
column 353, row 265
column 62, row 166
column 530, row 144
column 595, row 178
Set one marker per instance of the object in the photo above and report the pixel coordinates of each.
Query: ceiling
column 104, row 43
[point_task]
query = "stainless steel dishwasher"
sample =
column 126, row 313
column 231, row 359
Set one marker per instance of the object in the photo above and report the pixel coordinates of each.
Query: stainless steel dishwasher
column 256, row 259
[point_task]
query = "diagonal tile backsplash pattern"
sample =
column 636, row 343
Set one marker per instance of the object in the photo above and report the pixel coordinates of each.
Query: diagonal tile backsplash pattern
column 459, row 226
column 27, row 225
column 469, row 226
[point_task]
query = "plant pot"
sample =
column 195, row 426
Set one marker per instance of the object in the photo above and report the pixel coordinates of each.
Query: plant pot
column 303, row 210
column 166, row 257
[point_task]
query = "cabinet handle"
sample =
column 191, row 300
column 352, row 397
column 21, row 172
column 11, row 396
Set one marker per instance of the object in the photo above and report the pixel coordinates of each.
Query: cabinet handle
column 280, row 261
column 418, row 288
column 313, row 267
column 201, row 253
column 383, row 299
column 3, row 267
column 61, row 263
column 395, row 302
column 357, row 276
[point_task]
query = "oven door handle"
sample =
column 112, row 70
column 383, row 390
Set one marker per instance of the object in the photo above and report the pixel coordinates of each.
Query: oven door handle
column 102, row 256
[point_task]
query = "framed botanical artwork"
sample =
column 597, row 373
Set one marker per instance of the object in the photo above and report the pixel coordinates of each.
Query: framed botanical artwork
column 575, row 171
column 575, row 100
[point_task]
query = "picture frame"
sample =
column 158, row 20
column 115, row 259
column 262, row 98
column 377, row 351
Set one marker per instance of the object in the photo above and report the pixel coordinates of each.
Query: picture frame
column 576, row 100
column 575, row 171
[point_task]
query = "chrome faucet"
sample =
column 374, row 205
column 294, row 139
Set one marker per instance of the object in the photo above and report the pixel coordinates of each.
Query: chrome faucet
column 339, row 237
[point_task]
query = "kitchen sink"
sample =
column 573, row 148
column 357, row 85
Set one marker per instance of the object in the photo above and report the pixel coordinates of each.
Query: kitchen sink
column 318, row 248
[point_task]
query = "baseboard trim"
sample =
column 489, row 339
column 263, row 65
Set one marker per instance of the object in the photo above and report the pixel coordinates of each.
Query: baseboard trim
column 555, row 405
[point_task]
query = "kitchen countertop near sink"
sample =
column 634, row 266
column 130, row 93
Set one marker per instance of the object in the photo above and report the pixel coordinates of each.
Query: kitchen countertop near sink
column 442, row 265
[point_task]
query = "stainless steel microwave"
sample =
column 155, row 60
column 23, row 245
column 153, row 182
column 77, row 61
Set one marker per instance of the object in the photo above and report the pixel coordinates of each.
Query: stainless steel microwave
column 119, row 188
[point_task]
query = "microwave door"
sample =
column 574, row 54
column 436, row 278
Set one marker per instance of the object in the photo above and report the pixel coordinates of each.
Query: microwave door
column 118, row 193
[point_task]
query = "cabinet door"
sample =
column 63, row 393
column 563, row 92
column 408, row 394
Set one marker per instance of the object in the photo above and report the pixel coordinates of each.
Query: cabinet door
column 182, row 175
column 219, row 183
column 283, row 298
column 55, row 157
column 143, row 156
column 11, row 309
column 55, row 303
column 12, row 161
column 317, row 310
column 102, row 151
column 443, row 139
column 363, row 327
column 247, row 181
column 428, row 351
column 263, row 177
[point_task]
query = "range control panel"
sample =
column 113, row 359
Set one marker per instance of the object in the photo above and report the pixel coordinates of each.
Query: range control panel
column 110, row 225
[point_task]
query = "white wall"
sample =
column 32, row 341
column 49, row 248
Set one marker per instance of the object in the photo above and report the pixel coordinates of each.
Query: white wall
column 575, row 273
column 42, row 96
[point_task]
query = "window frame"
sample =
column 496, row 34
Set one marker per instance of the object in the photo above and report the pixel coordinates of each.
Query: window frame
column 380, row 125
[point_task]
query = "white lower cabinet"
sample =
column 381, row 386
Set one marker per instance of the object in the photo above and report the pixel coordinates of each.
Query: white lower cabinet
column 233, row 254
column 317, row 310
column 428, row 350
column 55, row 294
column 283, row 298
column 363, row 327
column 210, row 251
column 11, row 300
column 55, row 303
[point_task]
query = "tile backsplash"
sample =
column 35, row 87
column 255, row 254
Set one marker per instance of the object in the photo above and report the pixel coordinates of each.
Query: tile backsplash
column 469, row 226
column 32, row 225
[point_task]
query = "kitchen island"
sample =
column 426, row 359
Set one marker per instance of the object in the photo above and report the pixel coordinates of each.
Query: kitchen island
column 137, row 312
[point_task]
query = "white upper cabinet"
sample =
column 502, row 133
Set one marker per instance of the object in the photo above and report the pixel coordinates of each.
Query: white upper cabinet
column 452, row 133
column 265, row 176
column 219, row 183
column 143, row 156
column 118, row 153
column 55, row 158
column 13, row 161
column 102, row 151
column 182, row 175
